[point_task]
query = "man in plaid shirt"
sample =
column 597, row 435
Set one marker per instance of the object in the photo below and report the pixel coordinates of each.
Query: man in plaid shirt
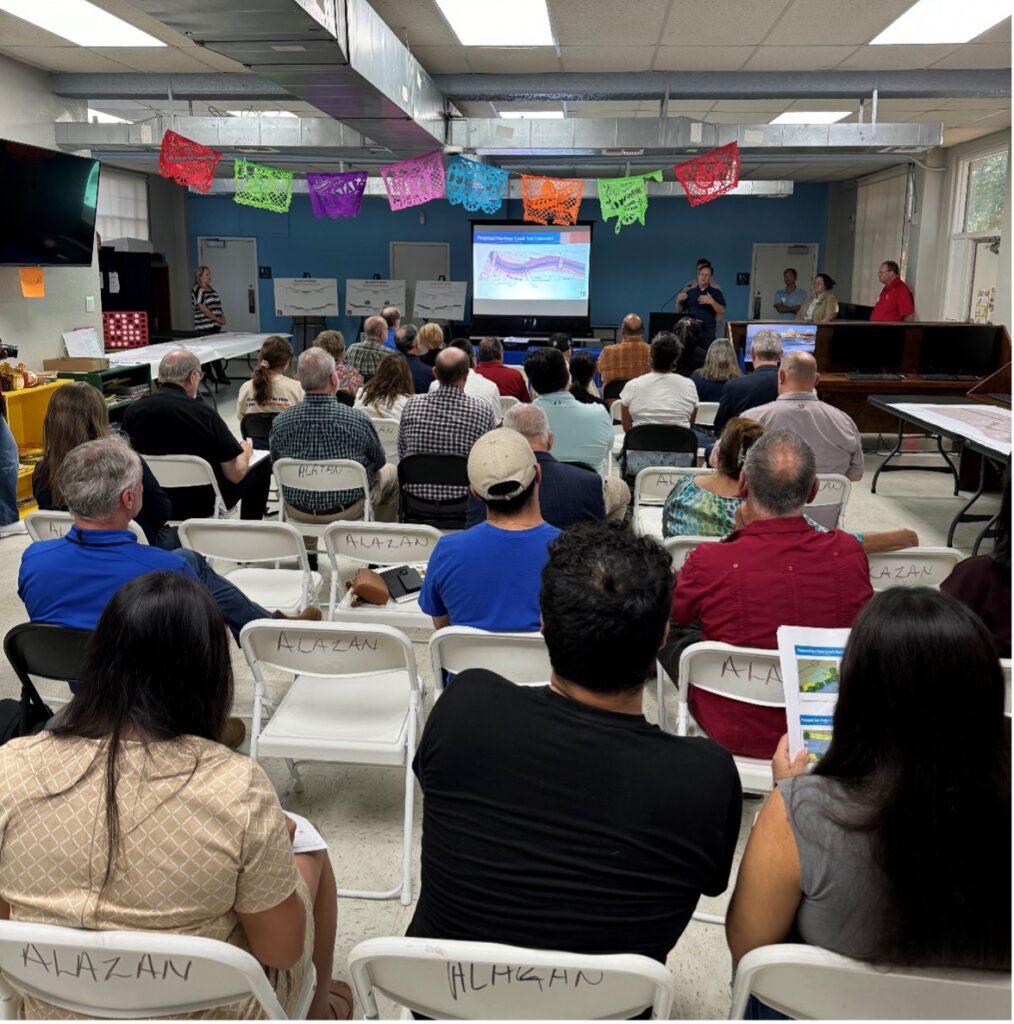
column 630, row 358
column 444, row 421
column 320, row 427
column 367, row 355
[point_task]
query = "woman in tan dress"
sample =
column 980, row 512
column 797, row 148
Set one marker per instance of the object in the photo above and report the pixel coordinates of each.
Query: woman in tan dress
column 128, row 815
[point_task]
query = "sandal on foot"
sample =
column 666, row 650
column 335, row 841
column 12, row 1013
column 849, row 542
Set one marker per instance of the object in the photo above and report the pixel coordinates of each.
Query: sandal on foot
column 340, row 993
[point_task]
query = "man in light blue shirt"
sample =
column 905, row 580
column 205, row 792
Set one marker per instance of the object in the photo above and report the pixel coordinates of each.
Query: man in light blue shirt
column 581, row 432
column 790, row 298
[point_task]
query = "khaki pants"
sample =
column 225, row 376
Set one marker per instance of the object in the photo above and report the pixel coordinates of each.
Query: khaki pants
column 383, row 497
column 616, row 497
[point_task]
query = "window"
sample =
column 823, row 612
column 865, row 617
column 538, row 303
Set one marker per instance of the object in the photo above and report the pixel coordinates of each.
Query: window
column 123, row 205
column 984, row 199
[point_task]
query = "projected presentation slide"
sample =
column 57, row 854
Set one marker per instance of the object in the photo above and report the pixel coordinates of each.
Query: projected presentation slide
column 530, row 270
column 797, row 337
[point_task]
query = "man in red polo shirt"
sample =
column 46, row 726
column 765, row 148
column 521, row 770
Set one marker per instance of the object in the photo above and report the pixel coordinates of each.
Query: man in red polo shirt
column 896, row 302
column 775, row 570
column 509, row 381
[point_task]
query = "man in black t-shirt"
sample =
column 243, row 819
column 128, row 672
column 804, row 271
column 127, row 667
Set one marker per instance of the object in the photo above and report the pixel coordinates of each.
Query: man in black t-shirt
column 557, row 817
column 706, row 302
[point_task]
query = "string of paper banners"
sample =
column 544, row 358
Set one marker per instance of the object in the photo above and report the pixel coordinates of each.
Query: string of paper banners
column 467, row 183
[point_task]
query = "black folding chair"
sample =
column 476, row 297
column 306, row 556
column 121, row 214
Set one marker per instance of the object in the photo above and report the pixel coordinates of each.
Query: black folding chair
column 612, row 390
column 345, row 398
column 257, row 425
column 49, row 652
column 451, row 470
column 654, row 444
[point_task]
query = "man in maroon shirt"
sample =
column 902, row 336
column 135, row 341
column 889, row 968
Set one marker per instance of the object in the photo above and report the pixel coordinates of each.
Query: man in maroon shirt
column 775, row 570
column 509, row 381
column 896, row 302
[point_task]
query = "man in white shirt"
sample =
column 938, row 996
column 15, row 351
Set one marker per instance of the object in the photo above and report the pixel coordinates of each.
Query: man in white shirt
column 660, row 396
column 476, row 385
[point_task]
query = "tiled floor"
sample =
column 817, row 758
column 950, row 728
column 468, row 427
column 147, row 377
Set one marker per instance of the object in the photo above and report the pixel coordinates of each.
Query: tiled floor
column 359, row 809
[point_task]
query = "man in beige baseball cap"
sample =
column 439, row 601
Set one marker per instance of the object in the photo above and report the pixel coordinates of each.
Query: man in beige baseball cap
column 488, row 576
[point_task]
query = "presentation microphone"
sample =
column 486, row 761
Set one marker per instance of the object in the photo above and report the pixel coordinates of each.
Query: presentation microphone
column 668, row 300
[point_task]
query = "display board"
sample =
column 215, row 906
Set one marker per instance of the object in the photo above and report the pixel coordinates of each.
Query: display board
column 306, row 296
column 367, row 296
column 440, row 300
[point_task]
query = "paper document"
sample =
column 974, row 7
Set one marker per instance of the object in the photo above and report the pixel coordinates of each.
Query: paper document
column 306, row 296
column 256, row 455
column 365, row 297
column 307, row 839
column 83, row 343
column 440, row 300
column 810, row 660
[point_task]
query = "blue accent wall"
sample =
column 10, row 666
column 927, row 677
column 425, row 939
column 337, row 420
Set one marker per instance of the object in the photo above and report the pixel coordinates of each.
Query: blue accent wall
column 633, row 271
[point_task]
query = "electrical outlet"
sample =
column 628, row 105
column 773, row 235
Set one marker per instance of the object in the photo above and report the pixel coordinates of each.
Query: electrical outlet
column 89, row 303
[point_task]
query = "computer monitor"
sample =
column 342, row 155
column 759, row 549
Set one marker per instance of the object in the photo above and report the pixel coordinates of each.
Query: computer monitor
column 869, row 348
column 958, row 348
column 796, row 337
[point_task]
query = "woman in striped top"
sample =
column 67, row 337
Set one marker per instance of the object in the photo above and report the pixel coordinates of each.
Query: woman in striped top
column 208, row 317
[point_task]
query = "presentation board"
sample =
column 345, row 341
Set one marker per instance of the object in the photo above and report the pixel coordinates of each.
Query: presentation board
column 440, row 300
column 367, row 296
column 530, row 270
column 306, row 296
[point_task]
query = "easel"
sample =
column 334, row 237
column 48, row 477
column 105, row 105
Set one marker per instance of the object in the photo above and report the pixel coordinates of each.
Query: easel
column 302, row 327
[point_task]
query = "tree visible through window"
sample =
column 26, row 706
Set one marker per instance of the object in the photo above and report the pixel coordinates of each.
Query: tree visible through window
column 987, row 178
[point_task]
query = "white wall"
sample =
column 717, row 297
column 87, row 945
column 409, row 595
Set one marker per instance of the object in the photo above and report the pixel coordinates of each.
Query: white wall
column 28, row 110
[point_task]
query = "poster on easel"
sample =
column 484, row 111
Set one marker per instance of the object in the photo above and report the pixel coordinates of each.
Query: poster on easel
column 306, row 296
column 440, row 300
column 368, row 296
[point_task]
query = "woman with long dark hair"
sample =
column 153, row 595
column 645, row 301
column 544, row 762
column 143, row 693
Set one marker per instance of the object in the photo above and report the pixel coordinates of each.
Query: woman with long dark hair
column 384, row 395
column 897, row 848
column 128, row 814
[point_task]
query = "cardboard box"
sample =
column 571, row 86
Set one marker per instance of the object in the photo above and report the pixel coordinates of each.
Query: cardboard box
column 75, row 364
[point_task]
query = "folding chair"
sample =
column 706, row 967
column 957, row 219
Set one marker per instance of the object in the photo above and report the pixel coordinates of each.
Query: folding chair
column 49, row 652
column 49, row 524
column 379, row 544
column 611, row 393
column 681, row 547
column 828, row 507
column 355, row 699
column 810, row 983
column 448, row 514
column 706, row 412
column 447, row 980
column 257, row 425
column 651, row 488
column 255, row 543
column 172, row 471
column 387, row 431
column 320, row 475
column 654, row 444
column 1005, row 665
column 912, row 567
column 520, row 657
column 507, row 402
column 156, row 974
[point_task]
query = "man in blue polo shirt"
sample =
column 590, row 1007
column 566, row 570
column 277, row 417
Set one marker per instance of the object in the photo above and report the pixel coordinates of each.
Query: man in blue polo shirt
column 790, row 298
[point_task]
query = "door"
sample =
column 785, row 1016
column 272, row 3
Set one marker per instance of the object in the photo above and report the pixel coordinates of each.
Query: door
column 418, row 261
column 983, row 292
column 767, row 275
column 233, row 263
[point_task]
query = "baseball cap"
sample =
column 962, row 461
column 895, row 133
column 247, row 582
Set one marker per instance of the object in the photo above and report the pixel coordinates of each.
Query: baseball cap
column 501, row 457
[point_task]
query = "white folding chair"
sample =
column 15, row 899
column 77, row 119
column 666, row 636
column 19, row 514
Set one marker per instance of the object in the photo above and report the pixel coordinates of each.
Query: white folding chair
column 131, row 975
column 651, row 488
column 681, row 547
column 323, row 475
column 49, row 524
column 706, row 412
column 486, row 981
column 520, row 657
column 173, row 471
column 387, row 431
column 257, row 542
column 355, row 699
column 746, row 674
column 810, row 983
column 912, row 567
column 507, row 402
column 1006, row 664
column 379, row 544
column 828, row 507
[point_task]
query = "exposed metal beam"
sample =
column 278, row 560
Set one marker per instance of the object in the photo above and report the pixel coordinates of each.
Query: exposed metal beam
column 131, row 86
column 719, row 85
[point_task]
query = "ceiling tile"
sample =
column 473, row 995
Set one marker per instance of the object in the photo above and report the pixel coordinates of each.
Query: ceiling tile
column 977, row 55
column 419, row 21
column 752, row 105
column 701, row 58
column 737, row 117
column 607, row 58
column 823, row 22
column 582, row 22
column 442, row 60
column 18, row 32
column 955, row 136
column 505, row 60
column 167, row 60
column 1000, row 33
column 217, row 61
column 948, row 118
column 797, row 58
column 997, row 119
column 719, row 24
column 63, row 58
column 895, row 58
column 842, row 103
column 975, row 103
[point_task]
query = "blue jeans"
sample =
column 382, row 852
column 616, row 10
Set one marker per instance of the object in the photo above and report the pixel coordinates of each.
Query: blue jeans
column 8, row 475
column 236, row 608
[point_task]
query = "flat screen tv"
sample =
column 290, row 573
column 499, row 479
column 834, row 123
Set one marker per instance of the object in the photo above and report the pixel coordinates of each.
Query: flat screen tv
column 47, row 207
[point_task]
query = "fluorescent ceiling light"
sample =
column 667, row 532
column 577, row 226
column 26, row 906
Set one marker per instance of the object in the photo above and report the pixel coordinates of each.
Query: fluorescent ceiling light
column 533, row 115
column 811, row 116
column 98, row 117
column 260, row 113
column 939, row 21
column 80, row 22
column 519, row 23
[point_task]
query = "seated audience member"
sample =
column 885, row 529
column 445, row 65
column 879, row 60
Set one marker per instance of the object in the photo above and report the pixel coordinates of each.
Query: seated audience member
column 432, row 338
column 10, row 466
column 752, row 389
column 476, row 385
column 333, row 342
column 688, row 332
column 509, row 382
column 173, row 421
column 488, row 576
column 76, row 413
column 321, row 428
column 719, row 368
column 821, row 304
column 392, row 317
column 630, row 357
column 186, row 836
column 661, row 396
column 366, row 356
column 443, row 422
column 581, row 433
column 268, row 389
column 567, row 494
column 582, row 379
column 558, row 817
column 406, row 341
column 831, row 433
column 775, row 570
column 387, row 391
column 707, row 505
column 563, row 344
column 894, row 849
column 983, row 582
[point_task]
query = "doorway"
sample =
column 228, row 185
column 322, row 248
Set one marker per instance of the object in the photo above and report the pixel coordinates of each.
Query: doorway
column 766, row 276
column 233, row 263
